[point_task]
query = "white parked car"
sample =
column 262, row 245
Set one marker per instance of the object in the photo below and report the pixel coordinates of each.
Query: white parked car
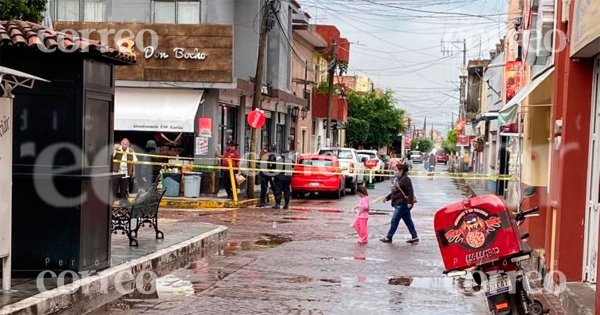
column 350, row 164
column 416, row 156
column 372, row 155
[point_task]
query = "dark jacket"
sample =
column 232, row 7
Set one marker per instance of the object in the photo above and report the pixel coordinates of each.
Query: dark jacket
column 396, row 196
column 286, row 169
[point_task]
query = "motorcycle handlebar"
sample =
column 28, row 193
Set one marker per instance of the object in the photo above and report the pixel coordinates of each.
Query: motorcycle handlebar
column 524, row 214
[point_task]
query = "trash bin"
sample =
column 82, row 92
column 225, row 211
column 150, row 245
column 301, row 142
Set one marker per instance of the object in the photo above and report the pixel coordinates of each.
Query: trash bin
column 191, row 188
column 171, row 184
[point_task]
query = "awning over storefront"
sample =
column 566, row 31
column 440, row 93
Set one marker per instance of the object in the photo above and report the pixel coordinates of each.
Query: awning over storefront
column 508, row 113
column 162, row 110
column 487, row 116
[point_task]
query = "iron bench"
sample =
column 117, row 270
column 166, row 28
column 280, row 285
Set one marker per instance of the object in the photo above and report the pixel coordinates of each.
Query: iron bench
column 143, row 209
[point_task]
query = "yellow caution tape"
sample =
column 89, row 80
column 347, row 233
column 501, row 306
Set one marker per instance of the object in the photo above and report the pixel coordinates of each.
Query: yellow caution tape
column 468, row 176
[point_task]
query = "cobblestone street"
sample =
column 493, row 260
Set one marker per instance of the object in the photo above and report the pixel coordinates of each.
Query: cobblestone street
column 306, row 261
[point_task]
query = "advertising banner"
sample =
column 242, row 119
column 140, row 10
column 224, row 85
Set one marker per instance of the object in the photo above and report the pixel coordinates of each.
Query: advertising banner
column 202, row 146
column 205, row 127
column 586, row 28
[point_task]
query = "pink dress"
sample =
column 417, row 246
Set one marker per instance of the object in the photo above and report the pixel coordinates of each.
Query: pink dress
column 360, row 223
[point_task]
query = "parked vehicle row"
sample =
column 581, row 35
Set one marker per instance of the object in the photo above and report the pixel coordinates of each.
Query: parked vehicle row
column 335, row 171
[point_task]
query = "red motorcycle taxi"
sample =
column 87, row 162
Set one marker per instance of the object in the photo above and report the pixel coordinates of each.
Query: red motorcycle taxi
column 480, row 236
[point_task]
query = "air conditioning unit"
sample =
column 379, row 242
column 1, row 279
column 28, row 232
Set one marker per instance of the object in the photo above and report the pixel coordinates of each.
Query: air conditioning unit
column 566, row 8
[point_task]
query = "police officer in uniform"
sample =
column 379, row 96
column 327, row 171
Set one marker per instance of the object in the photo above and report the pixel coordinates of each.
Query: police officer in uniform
column 267, row 178
column 283, row 181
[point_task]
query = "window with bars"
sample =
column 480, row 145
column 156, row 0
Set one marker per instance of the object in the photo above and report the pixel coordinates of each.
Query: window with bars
column 176, row 11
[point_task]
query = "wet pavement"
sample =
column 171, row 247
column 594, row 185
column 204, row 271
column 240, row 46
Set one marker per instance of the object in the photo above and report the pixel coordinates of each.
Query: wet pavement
column 306, row 260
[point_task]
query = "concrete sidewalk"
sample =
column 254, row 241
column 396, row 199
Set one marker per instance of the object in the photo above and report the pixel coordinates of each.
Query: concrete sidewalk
column 184, row 242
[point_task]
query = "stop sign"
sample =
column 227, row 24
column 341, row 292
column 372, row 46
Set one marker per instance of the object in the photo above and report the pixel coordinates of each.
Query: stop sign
column 256, row 119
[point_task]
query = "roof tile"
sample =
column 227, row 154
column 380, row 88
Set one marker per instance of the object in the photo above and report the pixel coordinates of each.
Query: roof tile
column 21, row 33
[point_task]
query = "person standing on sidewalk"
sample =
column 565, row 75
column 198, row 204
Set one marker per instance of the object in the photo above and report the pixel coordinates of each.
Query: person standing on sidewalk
column 283, row 182
column 232, row 154
column 402, row 197
column 362, row 215
column 126, row 167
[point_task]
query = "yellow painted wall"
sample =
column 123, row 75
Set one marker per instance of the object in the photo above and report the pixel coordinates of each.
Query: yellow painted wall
column 536, row 145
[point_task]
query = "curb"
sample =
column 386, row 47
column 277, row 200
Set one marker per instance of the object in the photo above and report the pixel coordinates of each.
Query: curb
column 83, row 295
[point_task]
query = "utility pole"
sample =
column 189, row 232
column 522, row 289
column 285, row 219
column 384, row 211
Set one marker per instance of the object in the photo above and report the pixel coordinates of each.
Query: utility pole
column 266, row 24
column 330, row 74
column 462, row 75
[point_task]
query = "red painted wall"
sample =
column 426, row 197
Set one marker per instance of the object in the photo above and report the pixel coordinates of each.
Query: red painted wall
column 344, row 50
column 331, row 33
column 572, row 103
column 339, row 110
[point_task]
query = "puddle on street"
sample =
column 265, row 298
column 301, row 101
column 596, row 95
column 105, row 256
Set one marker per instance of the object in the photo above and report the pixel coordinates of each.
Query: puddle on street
column 297, row 218
column 465, row 286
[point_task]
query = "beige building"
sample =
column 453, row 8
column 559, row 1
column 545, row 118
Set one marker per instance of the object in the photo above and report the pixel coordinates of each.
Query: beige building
column 308, row 70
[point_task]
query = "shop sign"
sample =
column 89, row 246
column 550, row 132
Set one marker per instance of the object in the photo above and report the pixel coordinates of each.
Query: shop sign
column 205, row 127
column 256, row 119
column 513, row 79
column 202, row 146
column 463, row 140
column 177, row 53
column 586, row 28
column 6, row 171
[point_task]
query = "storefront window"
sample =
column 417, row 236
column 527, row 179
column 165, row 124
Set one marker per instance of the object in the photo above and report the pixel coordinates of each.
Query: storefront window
column 177, row 12
column 228, row 128
column 94, row 11
column 265, row 133
column 280, row 138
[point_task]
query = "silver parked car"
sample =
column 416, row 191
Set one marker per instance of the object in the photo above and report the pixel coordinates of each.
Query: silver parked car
column 416, row 156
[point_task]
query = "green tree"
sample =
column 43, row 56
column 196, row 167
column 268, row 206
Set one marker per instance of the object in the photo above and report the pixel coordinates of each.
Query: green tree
column 358, row 131
column 425, row 145
column 27, row 10
column 449, row 144
column 380, row 112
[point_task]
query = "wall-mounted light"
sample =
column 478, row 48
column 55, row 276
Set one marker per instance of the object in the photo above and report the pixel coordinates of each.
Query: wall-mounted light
column 304, row 113
column 295, row 111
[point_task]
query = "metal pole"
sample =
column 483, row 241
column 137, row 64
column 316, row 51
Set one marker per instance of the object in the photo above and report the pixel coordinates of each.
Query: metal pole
column 330, row 74
column 256, row 104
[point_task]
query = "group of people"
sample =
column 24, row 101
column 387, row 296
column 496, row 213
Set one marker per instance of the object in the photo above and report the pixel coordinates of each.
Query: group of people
column 278, row 177
column 403, row 200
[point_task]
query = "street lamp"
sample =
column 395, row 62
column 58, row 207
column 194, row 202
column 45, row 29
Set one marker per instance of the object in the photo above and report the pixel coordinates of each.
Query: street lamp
column 295, row 111
column 304, row 113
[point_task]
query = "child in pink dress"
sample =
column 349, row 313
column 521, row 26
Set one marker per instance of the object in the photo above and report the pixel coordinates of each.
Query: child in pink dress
column 362, row 215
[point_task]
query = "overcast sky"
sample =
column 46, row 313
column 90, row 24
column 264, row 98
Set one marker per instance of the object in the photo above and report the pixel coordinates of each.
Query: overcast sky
column 398, row 44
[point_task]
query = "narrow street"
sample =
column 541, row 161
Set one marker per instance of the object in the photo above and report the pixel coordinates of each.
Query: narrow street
column 306, row 261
